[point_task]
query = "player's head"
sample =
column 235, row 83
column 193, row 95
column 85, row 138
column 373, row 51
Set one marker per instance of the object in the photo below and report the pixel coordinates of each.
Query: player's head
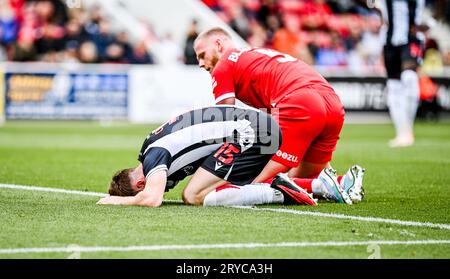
column 127, row 182
column 210, row 45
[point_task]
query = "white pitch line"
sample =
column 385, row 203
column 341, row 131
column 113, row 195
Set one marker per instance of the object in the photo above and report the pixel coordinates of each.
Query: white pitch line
column 54, row 190
column 350, row 217
column 277, row 210
column 58, row 190
column 86, row 249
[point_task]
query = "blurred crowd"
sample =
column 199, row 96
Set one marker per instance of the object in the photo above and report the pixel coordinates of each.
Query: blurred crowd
column 46, row 30
column 323, row 33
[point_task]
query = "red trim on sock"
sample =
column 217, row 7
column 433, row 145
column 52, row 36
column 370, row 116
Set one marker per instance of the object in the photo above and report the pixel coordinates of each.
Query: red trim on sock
column 226, row 186
column 268, row 181
column 305, row 183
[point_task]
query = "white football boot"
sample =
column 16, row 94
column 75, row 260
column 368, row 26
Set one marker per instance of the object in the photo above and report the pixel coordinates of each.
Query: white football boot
column 352, row 183
column 331, row 190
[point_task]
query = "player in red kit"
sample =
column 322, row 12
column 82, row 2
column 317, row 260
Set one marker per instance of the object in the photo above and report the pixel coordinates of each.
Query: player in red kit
column 309, row 112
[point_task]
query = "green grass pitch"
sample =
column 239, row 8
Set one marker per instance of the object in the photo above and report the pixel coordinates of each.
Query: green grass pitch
column 409, row 184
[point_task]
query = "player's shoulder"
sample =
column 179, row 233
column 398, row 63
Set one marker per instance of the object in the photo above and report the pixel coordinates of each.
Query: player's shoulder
column 155, row 155
column 233, row 55
column 229, row 59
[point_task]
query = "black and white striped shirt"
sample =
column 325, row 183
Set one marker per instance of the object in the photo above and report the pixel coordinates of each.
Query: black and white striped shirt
column 400, row 16
column 181, row 145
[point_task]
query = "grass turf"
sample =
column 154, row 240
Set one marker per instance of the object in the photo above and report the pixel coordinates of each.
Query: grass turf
column 407, row 184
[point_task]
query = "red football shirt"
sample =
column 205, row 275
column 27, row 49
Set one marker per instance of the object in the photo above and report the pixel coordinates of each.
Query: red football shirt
column 261, row 77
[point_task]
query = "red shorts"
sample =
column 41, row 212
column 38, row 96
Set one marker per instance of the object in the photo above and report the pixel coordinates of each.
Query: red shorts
column 311, row 120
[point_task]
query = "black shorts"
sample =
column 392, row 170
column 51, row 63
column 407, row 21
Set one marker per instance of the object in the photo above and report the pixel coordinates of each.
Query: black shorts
column 241, row 168
column 395, row 57
column 239, row 160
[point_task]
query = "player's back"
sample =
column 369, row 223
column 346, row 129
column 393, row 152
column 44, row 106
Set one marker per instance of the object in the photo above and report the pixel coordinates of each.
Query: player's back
column 181, row 144
column 270, row 75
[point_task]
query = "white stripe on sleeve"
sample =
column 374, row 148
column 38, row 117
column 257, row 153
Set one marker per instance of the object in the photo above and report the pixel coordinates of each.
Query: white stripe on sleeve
column 225, row 96
column 155, row 170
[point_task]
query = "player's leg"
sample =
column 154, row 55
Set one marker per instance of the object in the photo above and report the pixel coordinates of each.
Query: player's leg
column 308, row 169
column 230, row 165
column 270, row 170
column 317, row 158
column 403, row 98
column 240, row 168
column 281, row 190
column 301, row 116
column 410, row 85
column 251, row 194
column 326, row 185
column 392, row 61
column 396, row 103
column 318, row 153
column 201, row 183
column 403, row 92
column 209, row 190
column 410, row 88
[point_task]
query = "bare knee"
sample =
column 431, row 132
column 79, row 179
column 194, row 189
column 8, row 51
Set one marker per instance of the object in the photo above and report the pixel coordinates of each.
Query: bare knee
column 192, row 198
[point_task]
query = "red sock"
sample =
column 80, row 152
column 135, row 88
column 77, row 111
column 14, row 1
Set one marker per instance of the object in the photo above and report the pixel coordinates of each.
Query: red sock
column 305, row 183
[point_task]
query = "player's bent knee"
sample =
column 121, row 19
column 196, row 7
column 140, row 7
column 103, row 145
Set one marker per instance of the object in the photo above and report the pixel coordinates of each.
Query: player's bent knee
column 191, row 198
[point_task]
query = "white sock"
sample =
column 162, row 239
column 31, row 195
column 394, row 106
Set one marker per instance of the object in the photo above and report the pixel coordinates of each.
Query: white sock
column 252, row 194
column 410, row 82
column 397, row 106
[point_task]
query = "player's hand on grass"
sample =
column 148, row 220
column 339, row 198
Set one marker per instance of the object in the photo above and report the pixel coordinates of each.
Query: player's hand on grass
column 117, row 200
column 108, row 200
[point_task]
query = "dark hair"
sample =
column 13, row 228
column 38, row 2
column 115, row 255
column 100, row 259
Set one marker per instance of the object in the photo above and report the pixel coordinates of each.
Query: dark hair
column 121, row 184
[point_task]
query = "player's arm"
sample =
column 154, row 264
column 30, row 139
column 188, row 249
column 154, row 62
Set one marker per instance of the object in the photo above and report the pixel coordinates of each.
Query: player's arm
column 151, row 196
column 227, row 101
column 153, row 193
column 223, row 84
column 270, row 170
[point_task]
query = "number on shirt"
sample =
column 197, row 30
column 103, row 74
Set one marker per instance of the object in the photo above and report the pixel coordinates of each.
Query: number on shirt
column 273, row 53
column 226, row 153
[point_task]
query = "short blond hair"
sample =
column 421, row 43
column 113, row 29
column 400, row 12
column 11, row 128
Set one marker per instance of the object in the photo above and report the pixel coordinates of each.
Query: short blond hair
column 211, row 32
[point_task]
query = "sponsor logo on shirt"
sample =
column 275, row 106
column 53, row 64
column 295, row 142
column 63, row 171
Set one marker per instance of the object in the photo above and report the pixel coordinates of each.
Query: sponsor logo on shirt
column 286, row 156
